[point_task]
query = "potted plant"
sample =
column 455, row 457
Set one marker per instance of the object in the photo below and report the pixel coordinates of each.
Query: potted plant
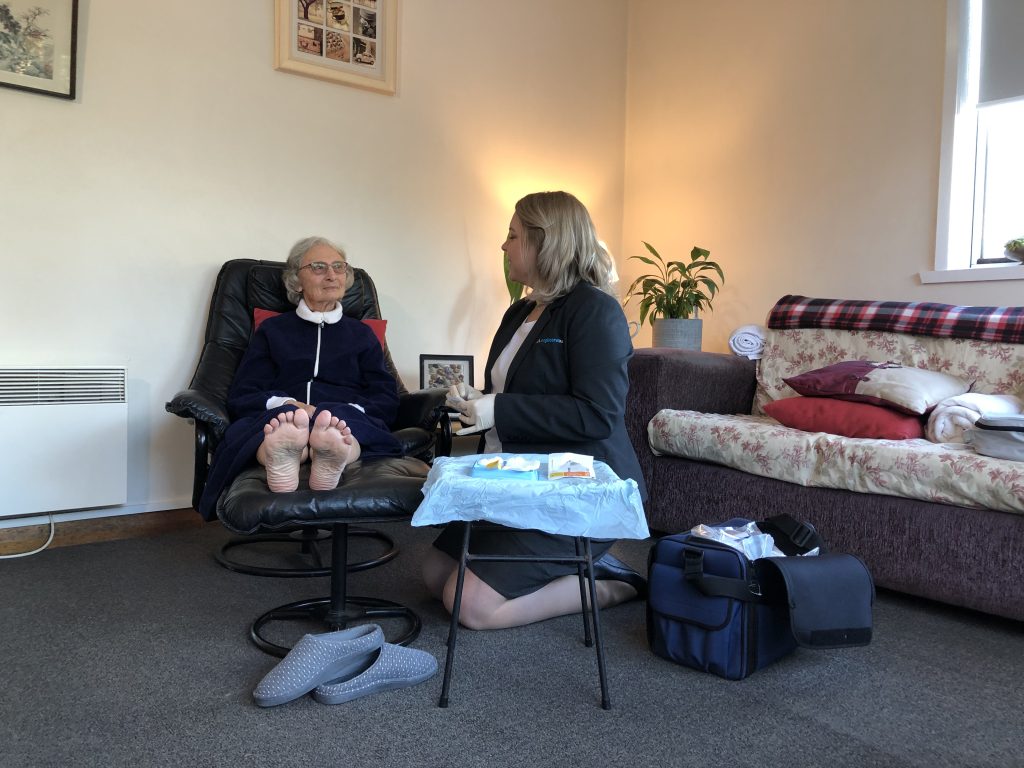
column 515, row 290
column 1015, row 249
column 673, row 296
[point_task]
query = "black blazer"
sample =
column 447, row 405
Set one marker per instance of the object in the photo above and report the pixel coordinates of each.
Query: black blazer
column 566, row 387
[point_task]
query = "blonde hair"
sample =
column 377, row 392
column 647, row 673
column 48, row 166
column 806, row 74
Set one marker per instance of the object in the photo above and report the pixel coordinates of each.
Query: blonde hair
column 559, row 228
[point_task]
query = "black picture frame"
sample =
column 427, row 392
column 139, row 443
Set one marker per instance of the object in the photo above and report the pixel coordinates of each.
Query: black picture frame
column 444, row 370
column 39, row 46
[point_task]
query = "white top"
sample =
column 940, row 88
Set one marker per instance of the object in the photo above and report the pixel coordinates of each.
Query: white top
column 499, row 371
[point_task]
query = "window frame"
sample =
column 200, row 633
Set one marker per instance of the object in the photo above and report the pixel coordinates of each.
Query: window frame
column 958, row 179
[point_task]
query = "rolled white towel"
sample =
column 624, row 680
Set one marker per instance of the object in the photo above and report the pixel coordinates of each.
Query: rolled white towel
column 748, row 341
column 948, row 424
column 952, row 416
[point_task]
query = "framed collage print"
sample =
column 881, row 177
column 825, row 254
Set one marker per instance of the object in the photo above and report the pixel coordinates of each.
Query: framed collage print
column 353, row 42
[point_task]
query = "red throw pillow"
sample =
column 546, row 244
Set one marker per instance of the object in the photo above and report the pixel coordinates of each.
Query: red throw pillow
column 259, row 315
column 843, row 417
column 377, row 326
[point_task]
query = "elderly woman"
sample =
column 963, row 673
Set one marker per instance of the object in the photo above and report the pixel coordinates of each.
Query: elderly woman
column 556, row 380
column 312, row 386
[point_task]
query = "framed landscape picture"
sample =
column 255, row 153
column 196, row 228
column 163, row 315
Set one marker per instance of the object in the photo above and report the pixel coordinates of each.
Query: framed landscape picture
column 38, row 46
column 444, row 370
column 345, row 41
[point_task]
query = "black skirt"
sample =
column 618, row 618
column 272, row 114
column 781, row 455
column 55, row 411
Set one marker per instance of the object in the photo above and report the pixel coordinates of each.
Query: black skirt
column 513, row 580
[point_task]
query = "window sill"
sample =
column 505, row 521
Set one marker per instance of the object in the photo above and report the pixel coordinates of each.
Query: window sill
column 978, row 274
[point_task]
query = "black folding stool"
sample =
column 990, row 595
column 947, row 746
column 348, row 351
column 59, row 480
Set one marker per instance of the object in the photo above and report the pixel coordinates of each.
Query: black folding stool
column 585, row 568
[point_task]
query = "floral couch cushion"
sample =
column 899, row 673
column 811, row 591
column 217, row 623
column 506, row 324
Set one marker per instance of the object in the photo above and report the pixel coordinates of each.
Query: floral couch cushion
column 948, row 473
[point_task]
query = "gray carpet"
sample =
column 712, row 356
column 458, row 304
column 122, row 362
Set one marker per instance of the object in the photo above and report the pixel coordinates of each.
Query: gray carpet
column 136, row 653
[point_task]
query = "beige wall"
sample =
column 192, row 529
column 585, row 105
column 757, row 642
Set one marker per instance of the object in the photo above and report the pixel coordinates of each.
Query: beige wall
column 798, row 140
column 185, row 148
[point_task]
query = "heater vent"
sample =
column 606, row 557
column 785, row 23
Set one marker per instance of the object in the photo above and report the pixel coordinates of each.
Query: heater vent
column 72, row 449
column 57, row 386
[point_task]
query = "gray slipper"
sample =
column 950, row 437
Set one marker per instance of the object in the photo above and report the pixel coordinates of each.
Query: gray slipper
column 394, row 667
column 316, row 659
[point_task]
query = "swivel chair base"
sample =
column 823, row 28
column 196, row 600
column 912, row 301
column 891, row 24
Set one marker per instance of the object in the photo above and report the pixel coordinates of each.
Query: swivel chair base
column 308, row 541
column 339, row 610
column 357, row 610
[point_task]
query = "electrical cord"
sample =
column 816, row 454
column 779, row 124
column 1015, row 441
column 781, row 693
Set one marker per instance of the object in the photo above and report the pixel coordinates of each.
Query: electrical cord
column 53, row 529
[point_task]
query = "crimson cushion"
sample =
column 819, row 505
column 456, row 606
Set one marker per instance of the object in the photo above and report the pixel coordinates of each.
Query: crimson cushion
column 911, row 390
column 377, row 326
column 842, row 417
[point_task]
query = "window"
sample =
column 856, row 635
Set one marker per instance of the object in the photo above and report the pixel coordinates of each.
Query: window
column 982, row 156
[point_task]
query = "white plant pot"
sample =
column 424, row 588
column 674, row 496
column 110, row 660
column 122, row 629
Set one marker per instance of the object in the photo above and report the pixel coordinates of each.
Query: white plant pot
column 676, row 333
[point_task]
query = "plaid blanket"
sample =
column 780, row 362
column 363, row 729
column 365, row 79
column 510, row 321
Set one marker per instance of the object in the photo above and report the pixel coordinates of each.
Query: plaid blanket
column 1002, row 324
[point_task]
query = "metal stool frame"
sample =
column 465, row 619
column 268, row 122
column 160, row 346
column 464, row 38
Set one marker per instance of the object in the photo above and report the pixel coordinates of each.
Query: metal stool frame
column 585, row 568
column 307, row 540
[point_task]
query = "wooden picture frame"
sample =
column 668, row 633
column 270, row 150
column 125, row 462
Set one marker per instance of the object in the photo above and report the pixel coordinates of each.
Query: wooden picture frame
column 39, row 46
column 441, row 371
column 353, row 42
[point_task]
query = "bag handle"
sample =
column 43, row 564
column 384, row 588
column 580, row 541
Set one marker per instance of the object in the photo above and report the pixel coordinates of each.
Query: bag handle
column 790, row 535
column 717, row 586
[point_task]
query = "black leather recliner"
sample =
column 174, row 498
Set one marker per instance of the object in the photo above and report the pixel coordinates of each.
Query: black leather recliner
column 371, row 491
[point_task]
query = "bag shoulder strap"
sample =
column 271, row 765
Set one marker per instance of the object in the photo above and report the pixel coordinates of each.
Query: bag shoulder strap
column 792, row 536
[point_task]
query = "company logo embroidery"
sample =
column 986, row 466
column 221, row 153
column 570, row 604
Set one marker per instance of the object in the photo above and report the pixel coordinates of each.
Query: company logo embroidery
column 550, row 341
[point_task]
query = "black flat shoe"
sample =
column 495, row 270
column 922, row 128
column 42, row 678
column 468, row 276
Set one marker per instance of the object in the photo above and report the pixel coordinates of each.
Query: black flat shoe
column 611, row 568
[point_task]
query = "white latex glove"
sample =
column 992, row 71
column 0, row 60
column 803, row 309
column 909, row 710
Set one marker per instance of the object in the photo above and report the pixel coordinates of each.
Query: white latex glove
column 477, row 413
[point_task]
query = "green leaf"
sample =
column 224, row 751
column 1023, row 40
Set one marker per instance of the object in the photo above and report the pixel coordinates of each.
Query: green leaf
column 515, row 290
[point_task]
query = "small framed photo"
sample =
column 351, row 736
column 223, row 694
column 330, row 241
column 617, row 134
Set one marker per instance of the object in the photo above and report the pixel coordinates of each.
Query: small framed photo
column 445, row 370
column 353, row 42
column 38, row 46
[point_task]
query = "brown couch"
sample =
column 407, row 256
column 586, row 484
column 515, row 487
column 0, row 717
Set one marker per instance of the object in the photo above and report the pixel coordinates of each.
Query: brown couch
column 966, row 557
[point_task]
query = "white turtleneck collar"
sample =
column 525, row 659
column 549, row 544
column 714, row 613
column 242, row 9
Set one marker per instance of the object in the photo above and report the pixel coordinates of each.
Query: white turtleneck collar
column 330, row 317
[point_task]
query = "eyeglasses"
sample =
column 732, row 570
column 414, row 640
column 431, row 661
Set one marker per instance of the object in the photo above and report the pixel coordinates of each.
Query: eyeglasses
column 320, row 267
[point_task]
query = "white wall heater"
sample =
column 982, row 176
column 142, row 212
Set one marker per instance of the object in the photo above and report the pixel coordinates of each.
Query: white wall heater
column 63, row 439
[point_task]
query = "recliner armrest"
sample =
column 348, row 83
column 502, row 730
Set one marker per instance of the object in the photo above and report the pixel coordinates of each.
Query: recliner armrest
column 421, row 408
column 194, row 404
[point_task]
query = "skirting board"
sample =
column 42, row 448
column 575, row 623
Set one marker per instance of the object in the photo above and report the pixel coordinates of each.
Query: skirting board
column 89, row 514
column 25, row 538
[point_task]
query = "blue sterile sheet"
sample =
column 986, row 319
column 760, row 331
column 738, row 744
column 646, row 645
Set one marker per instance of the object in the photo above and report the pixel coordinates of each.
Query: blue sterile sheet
column 603, row 507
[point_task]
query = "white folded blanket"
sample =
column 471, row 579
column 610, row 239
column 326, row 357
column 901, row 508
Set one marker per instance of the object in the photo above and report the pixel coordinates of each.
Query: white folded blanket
column 748, row 341
column 952, row 416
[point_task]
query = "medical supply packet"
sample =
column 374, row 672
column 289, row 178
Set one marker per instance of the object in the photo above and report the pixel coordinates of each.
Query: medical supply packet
column 570, row 465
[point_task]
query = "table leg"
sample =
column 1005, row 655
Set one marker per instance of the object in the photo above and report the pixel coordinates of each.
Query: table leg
column 453, row 629
column 605, row 700
column 578, row 543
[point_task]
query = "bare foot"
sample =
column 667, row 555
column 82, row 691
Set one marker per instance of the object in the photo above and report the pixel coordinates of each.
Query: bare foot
column 281, row 452
column 331, row 447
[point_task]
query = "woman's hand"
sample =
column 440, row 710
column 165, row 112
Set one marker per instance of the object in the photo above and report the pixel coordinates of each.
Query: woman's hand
column 478, row 413
column 460, row 392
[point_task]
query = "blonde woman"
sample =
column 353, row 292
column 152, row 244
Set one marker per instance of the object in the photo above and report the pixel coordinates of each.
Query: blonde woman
column 555, row 380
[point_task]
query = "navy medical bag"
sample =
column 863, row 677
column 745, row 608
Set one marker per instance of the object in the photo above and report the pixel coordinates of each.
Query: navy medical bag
column 713, row 609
